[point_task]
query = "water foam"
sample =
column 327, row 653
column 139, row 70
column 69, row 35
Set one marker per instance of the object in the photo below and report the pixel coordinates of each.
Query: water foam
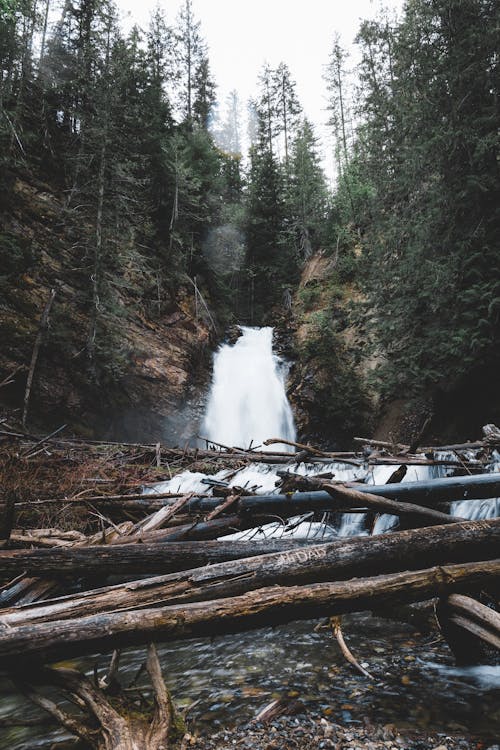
column 247, row 403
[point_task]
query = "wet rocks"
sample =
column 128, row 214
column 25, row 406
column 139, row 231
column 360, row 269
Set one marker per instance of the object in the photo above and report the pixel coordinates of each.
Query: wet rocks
column 315, row 733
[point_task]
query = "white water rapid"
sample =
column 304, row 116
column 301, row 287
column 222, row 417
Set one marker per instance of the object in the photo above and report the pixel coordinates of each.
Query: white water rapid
column 247, row 402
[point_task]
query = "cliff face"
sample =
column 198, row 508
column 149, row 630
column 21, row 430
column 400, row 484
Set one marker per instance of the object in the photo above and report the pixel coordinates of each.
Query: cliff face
column 328, row 387
column 331, row 387
column 154, row 356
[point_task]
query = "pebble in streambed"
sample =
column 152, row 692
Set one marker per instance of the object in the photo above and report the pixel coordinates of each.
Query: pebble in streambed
column 412, row 703
column 311, row 732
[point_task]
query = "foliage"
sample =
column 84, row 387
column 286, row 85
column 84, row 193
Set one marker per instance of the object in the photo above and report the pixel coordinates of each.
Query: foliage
column 16, row 256
column 93, row 113
column 341, row 402
column 421, row 188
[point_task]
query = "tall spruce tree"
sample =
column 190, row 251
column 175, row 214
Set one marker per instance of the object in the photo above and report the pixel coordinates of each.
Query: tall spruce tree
column 307, row 195
column 428, row 145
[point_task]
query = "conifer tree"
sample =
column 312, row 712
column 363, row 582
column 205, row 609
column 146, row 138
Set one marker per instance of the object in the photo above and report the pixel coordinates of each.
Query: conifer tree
column 307, row 195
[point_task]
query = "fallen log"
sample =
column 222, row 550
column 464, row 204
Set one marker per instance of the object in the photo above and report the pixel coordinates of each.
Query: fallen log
column 467, row 625
column 428, row 493
column 342, row 559
column 120, row 559
column 274, row 605
column 342, row 493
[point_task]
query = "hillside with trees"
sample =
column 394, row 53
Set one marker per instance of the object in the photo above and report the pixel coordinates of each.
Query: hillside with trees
column 123, row 190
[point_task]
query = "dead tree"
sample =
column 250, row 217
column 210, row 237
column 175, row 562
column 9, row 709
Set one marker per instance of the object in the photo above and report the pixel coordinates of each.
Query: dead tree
column 273, row 605
column 107, row 720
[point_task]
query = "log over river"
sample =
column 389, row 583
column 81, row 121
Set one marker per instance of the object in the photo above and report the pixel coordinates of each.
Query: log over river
column 318, row 561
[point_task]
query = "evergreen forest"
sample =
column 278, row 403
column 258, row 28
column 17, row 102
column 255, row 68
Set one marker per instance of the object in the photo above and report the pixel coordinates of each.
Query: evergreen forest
column 159, row 180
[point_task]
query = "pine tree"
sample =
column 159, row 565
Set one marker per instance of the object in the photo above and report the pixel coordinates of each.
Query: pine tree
column 196, row 92
column 427, row 144
column 286, row 106
column 307, row 195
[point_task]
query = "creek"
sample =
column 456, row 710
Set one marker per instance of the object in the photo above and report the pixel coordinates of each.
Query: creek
column 227, row 680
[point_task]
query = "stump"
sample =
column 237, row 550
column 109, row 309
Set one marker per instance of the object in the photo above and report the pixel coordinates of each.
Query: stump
column 107, row 719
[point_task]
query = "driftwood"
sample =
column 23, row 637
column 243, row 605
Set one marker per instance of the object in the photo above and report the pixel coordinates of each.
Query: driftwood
column 490, row 439
column 100, row 724
column 341, row 493
column 26, row 590
column 129, row 501
column 336, row 626
column 342, row 559
column 59, row 639
column 428, row 493
column 467, row 625
column 135, row 558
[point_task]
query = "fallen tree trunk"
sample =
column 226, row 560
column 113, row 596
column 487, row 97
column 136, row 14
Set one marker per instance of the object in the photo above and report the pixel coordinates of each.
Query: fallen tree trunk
column 429, row 493
column 341, row 493
column 467, row 625
column 275, row 605
column 342, row 559
column 109, row 559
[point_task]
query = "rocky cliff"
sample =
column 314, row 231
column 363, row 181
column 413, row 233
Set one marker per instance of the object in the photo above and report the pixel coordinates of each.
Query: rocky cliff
column 328, row 380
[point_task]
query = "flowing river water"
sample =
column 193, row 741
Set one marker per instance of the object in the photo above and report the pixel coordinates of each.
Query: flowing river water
column 227, row 680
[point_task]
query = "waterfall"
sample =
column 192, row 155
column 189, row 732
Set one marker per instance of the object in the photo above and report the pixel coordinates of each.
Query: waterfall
column 247, row 402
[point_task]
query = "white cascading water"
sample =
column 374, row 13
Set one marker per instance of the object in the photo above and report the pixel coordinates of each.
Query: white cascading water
column 247, row 402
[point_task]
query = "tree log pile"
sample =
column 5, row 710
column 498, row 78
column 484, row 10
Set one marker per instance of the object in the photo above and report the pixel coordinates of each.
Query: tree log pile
column 62, row 540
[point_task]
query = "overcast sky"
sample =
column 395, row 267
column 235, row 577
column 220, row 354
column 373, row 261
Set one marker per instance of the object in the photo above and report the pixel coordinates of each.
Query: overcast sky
column 243, row 35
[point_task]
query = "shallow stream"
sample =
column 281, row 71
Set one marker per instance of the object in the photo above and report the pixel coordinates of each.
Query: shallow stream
column 226, row 681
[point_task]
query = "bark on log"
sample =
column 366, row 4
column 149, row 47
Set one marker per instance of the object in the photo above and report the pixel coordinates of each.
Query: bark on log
column 346, row 558
column 342, row 493
column 467, row 625
column 135, row 558
column 429, row 493
column 269, row 606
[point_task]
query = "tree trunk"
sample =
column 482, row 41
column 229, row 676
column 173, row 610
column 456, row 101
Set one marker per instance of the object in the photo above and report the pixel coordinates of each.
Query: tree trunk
column 274, row 605
column 135, row 558
column 343, row 559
